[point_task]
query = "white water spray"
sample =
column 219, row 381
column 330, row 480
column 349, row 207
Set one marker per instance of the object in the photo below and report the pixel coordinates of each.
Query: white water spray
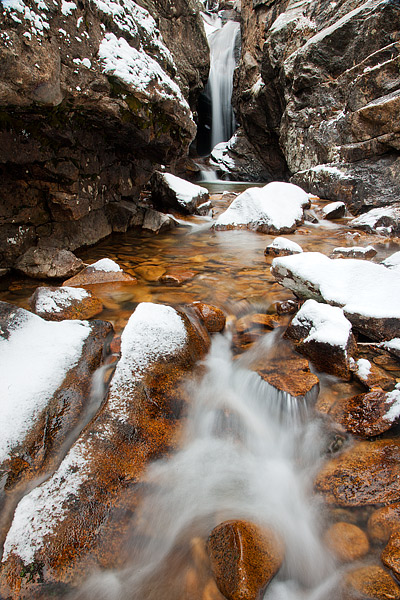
column 249, row 452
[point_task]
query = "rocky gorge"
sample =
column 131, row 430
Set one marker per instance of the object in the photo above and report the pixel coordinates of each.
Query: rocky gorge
column 205, row 404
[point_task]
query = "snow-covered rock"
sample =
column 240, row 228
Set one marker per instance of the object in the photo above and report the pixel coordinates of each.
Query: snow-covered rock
column 367, row 292
column 275, row 208
column 384, row 220
column 392, row 261
column 323, row 334
column 334, row 210
column 354, row 252
column 281, row 246
column 168, row 190
column 104, row 270
column 58, row 303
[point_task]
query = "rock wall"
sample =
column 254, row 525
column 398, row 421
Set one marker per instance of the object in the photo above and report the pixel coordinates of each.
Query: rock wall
column 91, row 102
column 320, row 81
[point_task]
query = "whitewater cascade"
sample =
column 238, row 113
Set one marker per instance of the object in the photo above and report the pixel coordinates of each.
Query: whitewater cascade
column 248, row 452
column 219, row 87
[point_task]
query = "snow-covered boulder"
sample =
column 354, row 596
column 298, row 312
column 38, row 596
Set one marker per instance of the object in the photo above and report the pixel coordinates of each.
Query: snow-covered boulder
column 58, row 303
column 323, row 334
column 45, row 378
column 334, row 210
column 354, row 252
column 275, row 208
column 170, row 191
column 384, row 220
column 281, row 246
column 392, row 261
column 59, row 520
column 104, row 270
column 368, row 292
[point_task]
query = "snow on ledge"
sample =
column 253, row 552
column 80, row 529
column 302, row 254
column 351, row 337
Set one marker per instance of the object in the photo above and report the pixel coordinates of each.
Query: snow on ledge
column 107, row 265
column 34, row 361
column 329, row 325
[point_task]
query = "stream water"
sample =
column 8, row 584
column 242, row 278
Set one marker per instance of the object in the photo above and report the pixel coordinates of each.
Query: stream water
column 248, row 451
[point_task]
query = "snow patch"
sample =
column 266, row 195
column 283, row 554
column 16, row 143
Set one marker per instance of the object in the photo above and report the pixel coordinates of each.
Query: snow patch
column 329, row 325
column 67, row 7
column 282, row 243
column 185, row 191
column 363, row 367
column 107, row 265
column 53, row 301
column 394, row 411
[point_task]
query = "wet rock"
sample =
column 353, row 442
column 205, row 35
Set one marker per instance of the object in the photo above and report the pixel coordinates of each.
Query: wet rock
column 391, row 554
column 275, row 208
column 354, row 252
column 169, row 191
column 363, row 475
column 56, row 304
column 334, row 210
column 384, row 221
column 48, row 263
column 104, row 270
column 282, row 247
column 156, row 221
column 323, row 334
column 347, row 542
column 251, row 327
column 368, row 415
column 371, row 582
column 177, row 276
column 213, row 317
column 364, row 290
column 371, row 375
column 287, row 307
column 93, row 488
column 383, row 522
column 244, row 558
column 150, row 272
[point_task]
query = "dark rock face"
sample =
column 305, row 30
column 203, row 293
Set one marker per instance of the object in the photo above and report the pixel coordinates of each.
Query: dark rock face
column 81, row 128
column 325, row 87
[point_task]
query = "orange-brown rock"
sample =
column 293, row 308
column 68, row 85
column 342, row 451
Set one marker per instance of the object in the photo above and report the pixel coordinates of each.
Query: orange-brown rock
column 97, row 273
column 365, row 415
column 249, row 328
column 96, row 484
column 56, row 304
column 287, row 307
column 346, row 541
column 150, row 272
column 177, row 276
column 368, row 473
column 391, row 554
column 244, row 558
column 370, row 582
column 287, row 371
column 383, row 522
column 213, row 317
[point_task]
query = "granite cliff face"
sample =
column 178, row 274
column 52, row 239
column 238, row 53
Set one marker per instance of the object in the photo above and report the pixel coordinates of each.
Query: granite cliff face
column 319, row 91
column 91, row 102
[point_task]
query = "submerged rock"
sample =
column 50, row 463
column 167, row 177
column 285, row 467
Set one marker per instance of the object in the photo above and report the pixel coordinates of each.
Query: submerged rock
column 104, row 270
column 169, row 191
column 347, row 542
column 244, row 558
column 323, row 334
column 70, row 515
column 367, row 292
column 275, row 208
column 48, row 263
column 56, row 304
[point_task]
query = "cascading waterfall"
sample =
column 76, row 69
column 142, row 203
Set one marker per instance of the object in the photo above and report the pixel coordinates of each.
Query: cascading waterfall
column 248, row 452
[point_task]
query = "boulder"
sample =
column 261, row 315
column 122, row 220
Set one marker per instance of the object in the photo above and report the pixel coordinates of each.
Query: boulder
column 365, row 474
column 323, row 334
column 169, row 191
column 57, row 304
column 244, row 558
column 49, row 263
column 213, row 317
column 104, row 270
column 370, row 374
column 249, row 328
column 79, row 514
column 275, row 208
column 383, row 522
column 366, row 291
column 384, row 221
column 347, row 542
column 334, row 210
column 282, row 247
column 94, row 102
column 368, row 415
column 156, row 221
column 391, row 554
column 370, row 582
column 354, row 252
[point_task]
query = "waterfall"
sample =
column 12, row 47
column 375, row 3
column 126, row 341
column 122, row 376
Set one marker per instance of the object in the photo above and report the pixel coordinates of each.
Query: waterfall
column 248, row 452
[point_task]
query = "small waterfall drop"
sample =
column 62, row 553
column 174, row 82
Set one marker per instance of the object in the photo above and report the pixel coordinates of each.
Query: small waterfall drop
column 248, row 452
